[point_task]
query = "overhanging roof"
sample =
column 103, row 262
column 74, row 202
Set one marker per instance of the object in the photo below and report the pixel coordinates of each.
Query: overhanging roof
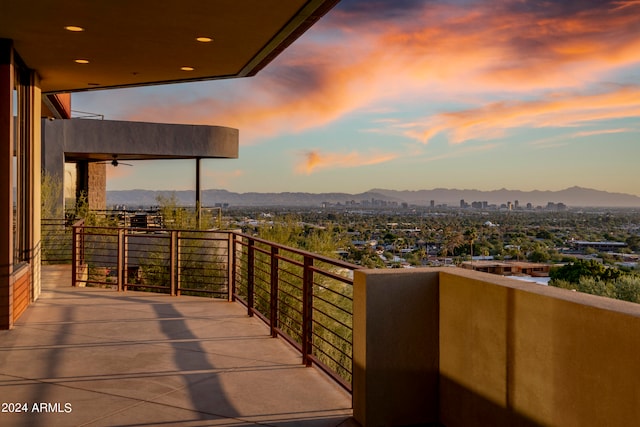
column 143, row 42
column 100, row 140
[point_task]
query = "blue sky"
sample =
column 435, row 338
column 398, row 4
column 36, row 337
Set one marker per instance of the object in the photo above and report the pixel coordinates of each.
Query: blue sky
column 409, row 95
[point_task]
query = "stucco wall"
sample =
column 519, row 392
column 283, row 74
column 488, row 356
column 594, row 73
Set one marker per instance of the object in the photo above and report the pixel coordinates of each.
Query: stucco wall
column 529, row 355
column 81, row 140
column 395, row 349
column 78, row 137
column 499, row 352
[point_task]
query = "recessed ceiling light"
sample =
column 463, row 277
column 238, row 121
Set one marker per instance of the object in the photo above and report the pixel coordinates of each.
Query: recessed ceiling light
column 73, row 28
column 204, row 39
column 187, row 68
column 82, row 61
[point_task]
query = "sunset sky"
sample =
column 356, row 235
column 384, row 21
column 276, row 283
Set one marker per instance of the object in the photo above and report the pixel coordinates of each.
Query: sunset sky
column 408, row 95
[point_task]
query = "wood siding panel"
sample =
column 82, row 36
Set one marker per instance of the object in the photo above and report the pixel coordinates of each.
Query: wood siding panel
column 21, row 294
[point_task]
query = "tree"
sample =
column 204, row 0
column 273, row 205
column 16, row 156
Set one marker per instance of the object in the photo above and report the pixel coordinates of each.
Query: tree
column 472, row 235
column 174, row 216
column 627, row 288
column 574, row 271
column 634, row 243
column 452, row 240
column 544, row 234
column 539, row 255
column 515, row 248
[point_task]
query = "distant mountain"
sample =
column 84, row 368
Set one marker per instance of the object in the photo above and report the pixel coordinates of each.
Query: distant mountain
column 134, row 198
column 572, row 197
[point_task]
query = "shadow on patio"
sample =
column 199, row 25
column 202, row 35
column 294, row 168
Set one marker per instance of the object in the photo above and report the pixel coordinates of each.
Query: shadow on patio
column 99, row 357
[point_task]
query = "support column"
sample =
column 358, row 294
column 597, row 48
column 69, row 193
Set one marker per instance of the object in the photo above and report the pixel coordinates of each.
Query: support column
column 34, row 204
column 97, row 186
column 53, row 165
column 6, row 182
column 198, row 196
column 82, row 183
column 91, row 185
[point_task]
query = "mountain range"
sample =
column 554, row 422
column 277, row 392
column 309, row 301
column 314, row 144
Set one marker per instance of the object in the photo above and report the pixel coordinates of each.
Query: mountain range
column 572, row 197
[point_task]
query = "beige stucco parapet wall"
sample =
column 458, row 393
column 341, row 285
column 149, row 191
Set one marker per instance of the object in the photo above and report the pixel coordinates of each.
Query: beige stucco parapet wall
column 464, row 348
column 97, row 140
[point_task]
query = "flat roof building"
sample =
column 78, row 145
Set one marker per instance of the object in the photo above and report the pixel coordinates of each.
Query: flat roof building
column 604, row 246
column 509, row 268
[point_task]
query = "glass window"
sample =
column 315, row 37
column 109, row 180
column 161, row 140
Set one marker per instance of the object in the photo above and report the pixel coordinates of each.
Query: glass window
column 14, row 174
column 21, row 172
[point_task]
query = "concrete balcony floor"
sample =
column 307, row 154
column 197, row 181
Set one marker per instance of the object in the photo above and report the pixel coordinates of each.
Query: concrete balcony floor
column 145, row 359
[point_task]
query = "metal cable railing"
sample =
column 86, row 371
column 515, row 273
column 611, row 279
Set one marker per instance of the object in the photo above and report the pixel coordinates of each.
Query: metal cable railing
column 56, row 241
column 305, row 298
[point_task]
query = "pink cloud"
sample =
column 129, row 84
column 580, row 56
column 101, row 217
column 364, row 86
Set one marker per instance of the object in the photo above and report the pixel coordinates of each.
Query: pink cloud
column 494, row 119
column 600, row 132
column 623, row 4
column 351, row 61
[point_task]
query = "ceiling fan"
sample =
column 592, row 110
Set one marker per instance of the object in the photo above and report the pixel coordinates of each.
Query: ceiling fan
column 115, row 162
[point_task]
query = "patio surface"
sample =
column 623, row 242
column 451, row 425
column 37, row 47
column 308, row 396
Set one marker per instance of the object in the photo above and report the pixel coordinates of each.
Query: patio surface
column 96, row 357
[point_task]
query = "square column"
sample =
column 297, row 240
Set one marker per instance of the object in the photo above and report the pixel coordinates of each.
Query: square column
column 395, row 347
column 33, row 162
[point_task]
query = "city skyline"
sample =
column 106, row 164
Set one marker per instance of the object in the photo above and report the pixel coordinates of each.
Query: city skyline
column 411, row 95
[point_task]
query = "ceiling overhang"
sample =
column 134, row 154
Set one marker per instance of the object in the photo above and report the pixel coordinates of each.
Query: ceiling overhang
column 144, row 42
column 104, row 140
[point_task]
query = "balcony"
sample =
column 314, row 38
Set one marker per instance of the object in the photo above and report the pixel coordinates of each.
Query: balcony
column 143, row 358
column 442, row 347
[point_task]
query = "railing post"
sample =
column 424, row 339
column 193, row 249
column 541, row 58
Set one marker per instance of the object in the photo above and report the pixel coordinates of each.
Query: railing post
column 74, row 255
column 178, row 264
column 81, row 250
column 250, row 276
column 120, row 263
column 307, row 311
column 77, row 254
column 273, row 301
column 172, row 263
column 231, row 267
column 125, row 260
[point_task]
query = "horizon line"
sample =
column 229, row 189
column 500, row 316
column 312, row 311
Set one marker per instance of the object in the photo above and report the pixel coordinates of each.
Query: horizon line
column 373, row 190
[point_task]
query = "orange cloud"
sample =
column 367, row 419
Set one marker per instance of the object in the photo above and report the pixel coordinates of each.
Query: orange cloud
column 423, row 52
column 315, row 159
column 623, row 4
column 491, row 47
column 493, row 120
